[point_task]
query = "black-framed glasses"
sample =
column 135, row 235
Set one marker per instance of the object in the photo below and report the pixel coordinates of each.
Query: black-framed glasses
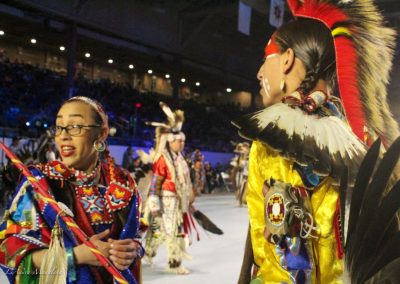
column 72, row 130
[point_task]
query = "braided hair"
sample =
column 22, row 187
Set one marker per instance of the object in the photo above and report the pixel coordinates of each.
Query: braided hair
column 312, row 43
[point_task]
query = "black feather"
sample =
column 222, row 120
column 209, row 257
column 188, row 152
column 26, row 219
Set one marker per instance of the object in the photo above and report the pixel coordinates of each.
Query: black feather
column 371, row 245
column 388, row 274
column 379, row 223
column 363, row 178
column 206, row 223
column 388, row 253
column 379, row 183
column 373, row 237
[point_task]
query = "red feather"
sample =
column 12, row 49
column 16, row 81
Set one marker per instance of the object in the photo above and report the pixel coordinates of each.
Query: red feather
column 347, row 76
column 346, row 58
column 324, row 12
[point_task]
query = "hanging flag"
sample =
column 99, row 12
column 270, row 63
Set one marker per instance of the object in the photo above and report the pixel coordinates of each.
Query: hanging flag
column 244, row 19
column 276, row 13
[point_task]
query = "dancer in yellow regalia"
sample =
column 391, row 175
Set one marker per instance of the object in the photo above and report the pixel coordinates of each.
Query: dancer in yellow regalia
column 324, row 104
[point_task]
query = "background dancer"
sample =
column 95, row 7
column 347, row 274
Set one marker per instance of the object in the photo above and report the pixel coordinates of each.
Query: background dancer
column 170, row 195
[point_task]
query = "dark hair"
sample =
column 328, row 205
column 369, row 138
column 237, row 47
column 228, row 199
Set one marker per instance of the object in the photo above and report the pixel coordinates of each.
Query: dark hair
column 96, row 116
column 312, row 43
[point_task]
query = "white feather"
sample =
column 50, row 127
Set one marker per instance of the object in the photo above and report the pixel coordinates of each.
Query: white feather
column 329, row 132
column 178, row 126
column 158, row 124
column 168, row 112
column 144, row 157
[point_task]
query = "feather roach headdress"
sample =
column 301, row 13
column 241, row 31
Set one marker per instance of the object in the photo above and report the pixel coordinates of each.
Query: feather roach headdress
column 169, row 130
column 364, row 52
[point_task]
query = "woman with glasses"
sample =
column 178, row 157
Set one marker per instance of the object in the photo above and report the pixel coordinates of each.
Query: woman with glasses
column 101, row 197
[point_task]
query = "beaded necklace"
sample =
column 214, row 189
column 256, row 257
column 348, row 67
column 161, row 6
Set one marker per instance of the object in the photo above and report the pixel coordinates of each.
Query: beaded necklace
column 96, row 202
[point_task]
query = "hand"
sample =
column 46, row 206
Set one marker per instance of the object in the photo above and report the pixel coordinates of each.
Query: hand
column 83, row 254
column 123, row 252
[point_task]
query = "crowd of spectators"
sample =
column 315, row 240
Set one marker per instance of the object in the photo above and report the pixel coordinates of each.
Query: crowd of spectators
column 30, row 96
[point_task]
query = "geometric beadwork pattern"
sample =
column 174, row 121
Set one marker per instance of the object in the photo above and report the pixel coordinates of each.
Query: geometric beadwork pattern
column 118, row 196
column 93, row 204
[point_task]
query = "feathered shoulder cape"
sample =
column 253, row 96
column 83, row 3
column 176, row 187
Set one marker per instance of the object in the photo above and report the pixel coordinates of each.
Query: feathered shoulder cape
column 320, row 140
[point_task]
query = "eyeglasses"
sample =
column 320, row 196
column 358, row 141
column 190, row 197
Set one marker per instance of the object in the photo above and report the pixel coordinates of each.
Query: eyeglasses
column 72, row 130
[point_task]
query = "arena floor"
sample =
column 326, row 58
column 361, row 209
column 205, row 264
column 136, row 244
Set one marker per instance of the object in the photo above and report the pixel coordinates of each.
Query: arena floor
column 216, row 259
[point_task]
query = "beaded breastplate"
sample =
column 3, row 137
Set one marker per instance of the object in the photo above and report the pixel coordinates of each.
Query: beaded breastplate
column 97, row 201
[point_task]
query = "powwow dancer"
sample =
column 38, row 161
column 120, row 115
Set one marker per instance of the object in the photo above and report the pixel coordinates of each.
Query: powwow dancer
column 303, row 141
column 100, row 197
column 170, row 195
column 240, row 165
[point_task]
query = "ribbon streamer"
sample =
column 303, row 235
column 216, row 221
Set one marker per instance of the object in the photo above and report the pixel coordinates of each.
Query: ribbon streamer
column 42, row 193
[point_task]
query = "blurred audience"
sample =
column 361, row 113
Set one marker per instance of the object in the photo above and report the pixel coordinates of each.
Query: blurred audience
column 29, row 97
column 210, row 177
column 127, row 159
column 197, row 175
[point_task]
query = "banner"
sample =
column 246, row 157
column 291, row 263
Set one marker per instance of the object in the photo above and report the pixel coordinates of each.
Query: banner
column 244, row 19
column 276, row 13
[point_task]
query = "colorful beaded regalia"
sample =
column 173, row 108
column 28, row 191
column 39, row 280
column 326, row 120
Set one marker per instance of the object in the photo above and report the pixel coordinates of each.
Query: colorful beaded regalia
column 170, row 194
column 36, row 218
column 97, row 202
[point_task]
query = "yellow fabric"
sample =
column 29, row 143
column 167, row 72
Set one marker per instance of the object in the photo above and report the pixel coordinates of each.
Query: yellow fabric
column 264, row 164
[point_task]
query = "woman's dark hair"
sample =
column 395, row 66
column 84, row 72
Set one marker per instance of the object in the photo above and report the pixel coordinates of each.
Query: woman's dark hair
column 96, row 116
column 312, row 43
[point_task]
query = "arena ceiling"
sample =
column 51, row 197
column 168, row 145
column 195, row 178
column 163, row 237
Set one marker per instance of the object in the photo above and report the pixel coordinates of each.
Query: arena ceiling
column 198, row 39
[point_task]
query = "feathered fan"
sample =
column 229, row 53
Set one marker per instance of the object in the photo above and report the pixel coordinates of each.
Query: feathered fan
column 206, row 223
column 373, row 237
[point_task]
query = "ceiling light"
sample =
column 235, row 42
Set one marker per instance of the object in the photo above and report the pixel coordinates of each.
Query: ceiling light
column 228, row 90
column 131, row 66
column 167, row 76
column 110, row 61
column 33, row 40
column 2, row 33
column 87, row 54
column 150, row 71
column 62, row 48
column 197, row 84
column 183, row 80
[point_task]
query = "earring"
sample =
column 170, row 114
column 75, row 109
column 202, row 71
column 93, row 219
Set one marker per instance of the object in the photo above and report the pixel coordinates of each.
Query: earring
column 99, row 145
column 282, row 85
